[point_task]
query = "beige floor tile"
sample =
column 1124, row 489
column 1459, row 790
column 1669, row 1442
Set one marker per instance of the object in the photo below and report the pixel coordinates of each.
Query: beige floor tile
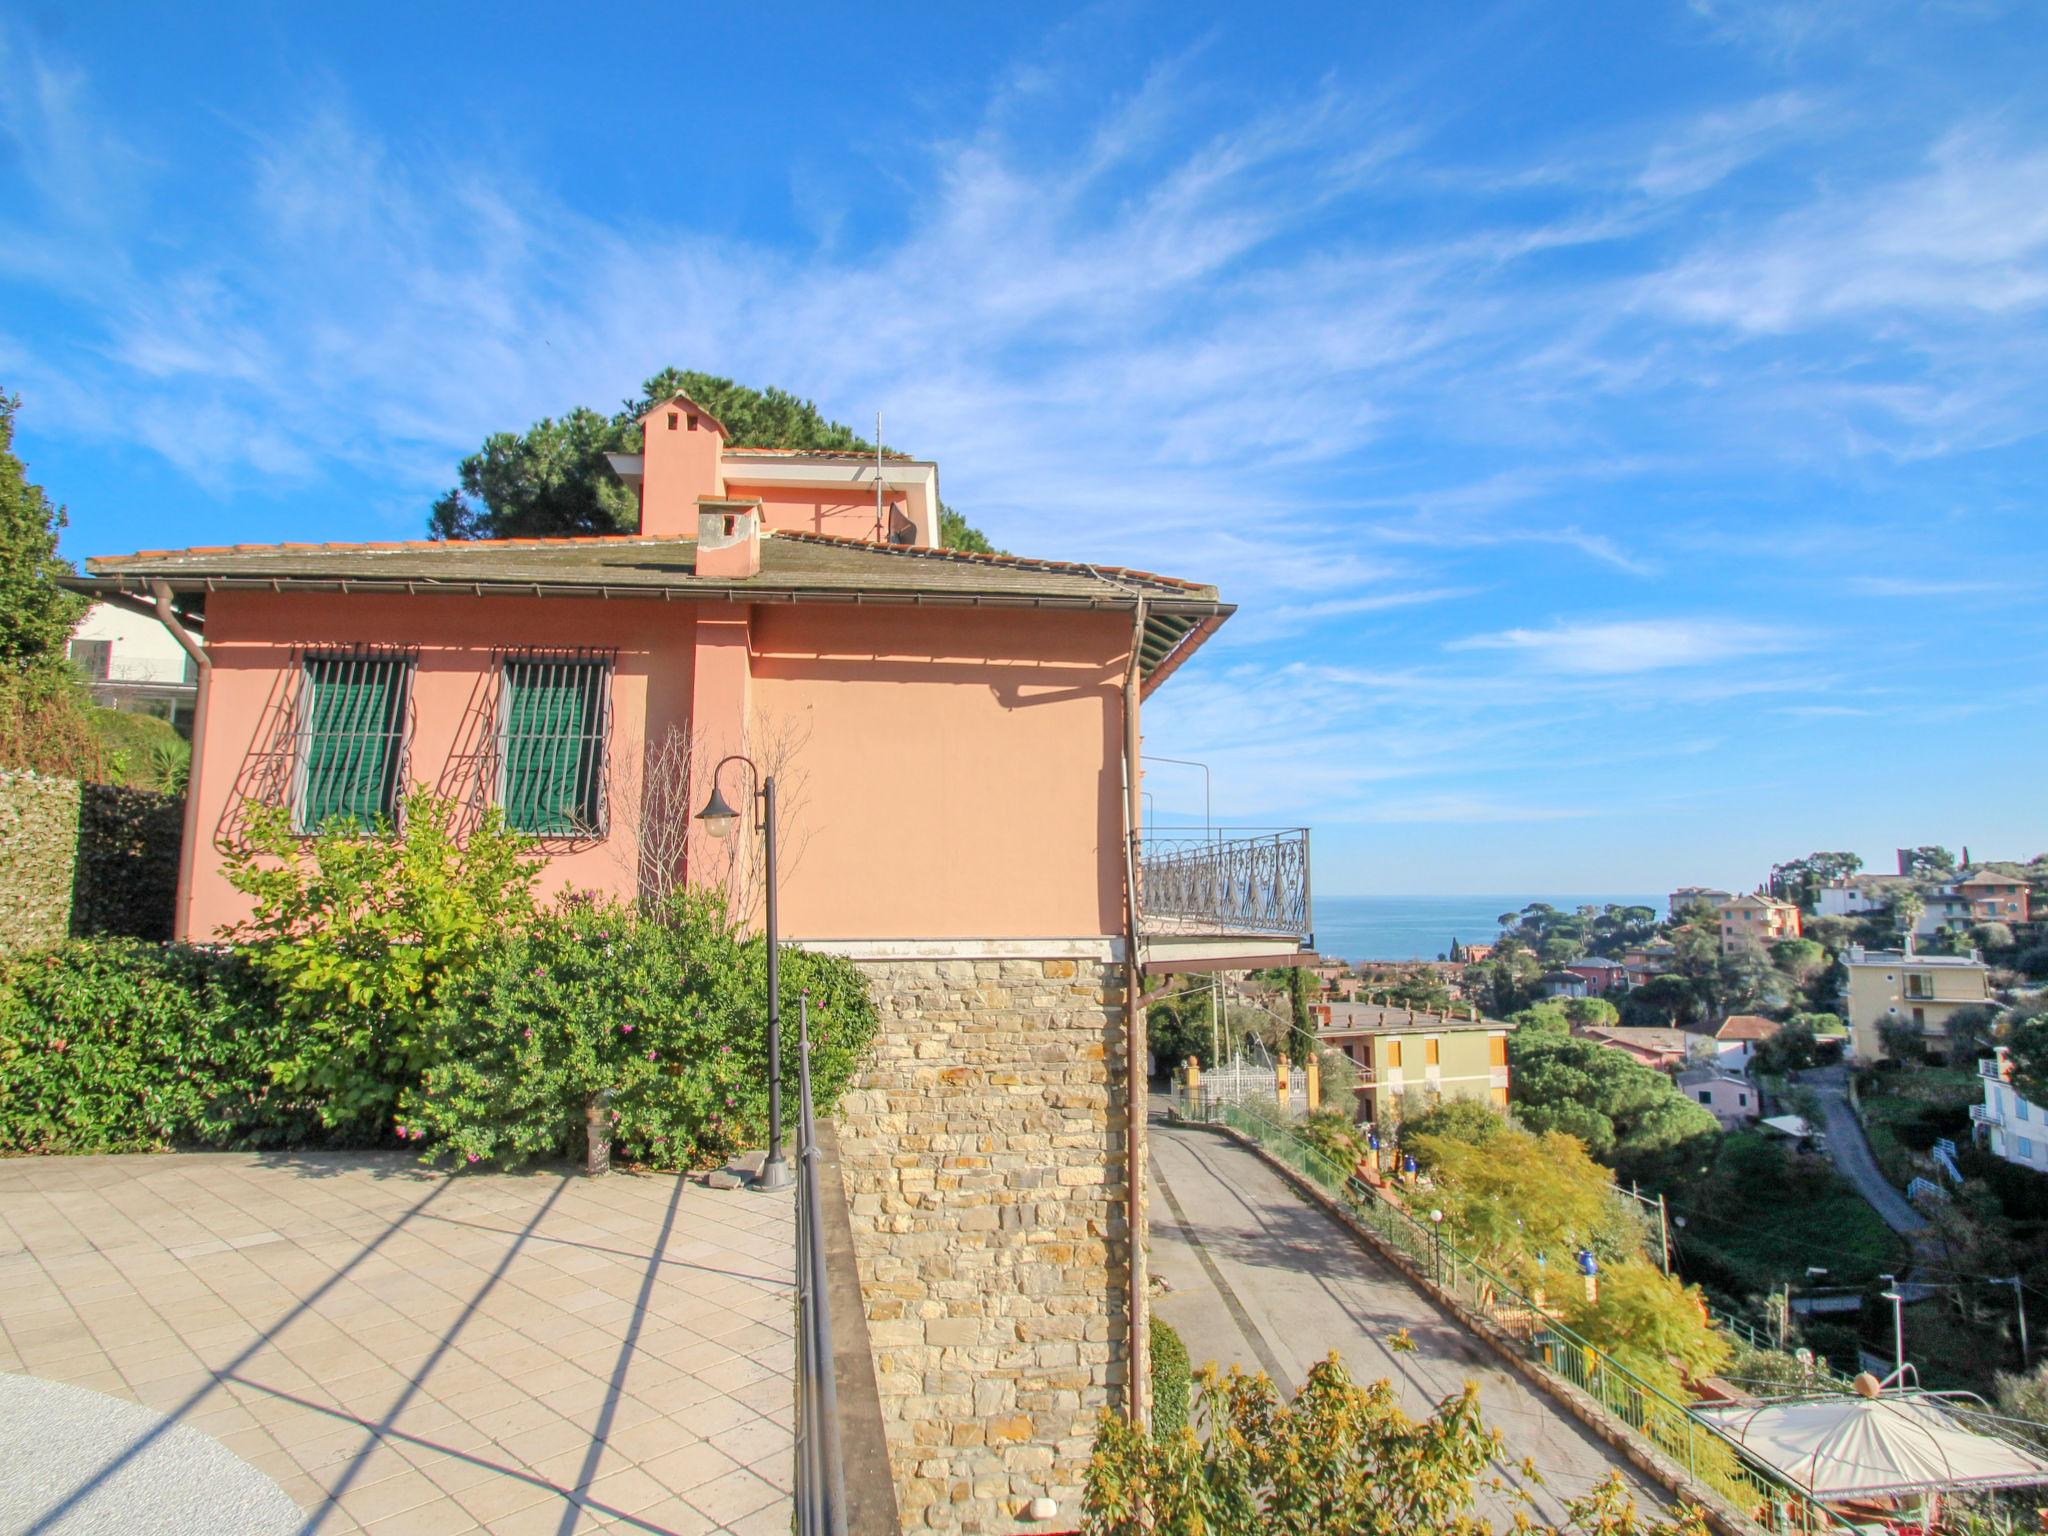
column 691, row 1467
column 144, row 1277
column 730, row 1497
column 671, row 1517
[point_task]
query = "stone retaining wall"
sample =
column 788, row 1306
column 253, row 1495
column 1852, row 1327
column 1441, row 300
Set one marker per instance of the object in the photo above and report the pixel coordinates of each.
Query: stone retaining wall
column 983, row 1162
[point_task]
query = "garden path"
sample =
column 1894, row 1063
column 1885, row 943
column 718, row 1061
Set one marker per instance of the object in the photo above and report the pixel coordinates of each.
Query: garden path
column 400, row 1350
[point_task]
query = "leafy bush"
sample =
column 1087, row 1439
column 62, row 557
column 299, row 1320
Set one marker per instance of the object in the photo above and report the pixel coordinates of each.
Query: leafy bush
column 656, row 1023
column 1170, row 1381
column 1341, row 1459
column 1652, row 1323
column 1336, row 1136
column 361, row 934
column 119, row 1046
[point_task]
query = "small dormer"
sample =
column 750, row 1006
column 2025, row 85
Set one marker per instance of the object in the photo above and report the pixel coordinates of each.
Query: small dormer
column 728, row 538
column 681, row 449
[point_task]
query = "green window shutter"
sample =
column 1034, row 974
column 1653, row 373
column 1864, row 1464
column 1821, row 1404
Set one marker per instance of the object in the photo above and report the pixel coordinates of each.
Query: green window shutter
column 553, row 746
column 354, row 712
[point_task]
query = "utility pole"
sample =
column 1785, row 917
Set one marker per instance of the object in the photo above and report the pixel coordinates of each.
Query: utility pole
column 2019, row 1297
column 1215, row 1019
column 1664, row 1228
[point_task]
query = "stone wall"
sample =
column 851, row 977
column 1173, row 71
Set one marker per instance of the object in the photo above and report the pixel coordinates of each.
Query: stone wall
column 983, row 1161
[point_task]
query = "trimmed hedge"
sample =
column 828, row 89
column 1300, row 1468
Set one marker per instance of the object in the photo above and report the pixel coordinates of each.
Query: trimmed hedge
column 120, row 1046
column 85, row 859
column 114, row 1045
column 1170, row 1380
column 126, row 883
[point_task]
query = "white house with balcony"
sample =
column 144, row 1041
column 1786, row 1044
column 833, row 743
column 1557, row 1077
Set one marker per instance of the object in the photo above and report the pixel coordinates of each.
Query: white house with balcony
column 2014, row 1128
column 130, row 661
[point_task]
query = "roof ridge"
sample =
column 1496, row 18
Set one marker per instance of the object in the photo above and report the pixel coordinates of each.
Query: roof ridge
column 889, row 456
column 970, row 556
column 375, row 544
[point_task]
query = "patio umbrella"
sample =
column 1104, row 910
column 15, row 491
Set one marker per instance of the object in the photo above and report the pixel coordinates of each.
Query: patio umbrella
column 1857, row 1447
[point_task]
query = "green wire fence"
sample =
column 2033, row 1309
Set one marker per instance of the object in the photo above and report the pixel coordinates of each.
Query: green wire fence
column 1707, row 1455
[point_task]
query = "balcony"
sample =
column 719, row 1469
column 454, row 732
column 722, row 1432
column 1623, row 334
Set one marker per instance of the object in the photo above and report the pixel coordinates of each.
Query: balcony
column 1984, row 1114
column 1989, row 1066
column 1239, row 893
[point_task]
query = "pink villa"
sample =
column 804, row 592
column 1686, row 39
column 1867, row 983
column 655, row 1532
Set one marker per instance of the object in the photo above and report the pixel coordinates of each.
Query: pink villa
column 957, row 745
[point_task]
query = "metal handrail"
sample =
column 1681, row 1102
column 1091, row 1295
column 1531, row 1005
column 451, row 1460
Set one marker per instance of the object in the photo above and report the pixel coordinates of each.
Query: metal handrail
column 820, row 1469
column 1214, row 882
column 1709, row 1455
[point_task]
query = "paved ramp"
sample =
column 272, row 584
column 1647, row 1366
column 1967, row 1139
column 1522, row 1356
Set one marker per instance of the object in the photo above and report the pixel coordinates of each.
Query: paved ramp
column 1263, row 1279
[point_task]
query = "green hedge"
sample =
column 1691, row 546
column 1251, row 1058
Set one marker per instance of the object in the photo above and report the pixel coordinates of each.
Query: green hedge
column 84, row 859
column 120, row 1046
column 1170, row 1380
column 114, row 1045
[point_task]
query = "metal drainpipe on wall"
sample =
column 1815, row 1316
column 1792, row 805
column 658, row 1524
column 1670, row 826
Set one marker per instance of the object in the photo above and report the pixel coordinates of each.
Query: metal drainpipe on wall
column 1135, row 1080
column 160, row 595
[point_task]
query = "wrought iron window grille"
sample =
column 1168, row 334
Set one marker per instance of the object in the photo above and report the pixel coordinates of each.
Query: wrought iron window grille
column 352, row 724
column 551, row 740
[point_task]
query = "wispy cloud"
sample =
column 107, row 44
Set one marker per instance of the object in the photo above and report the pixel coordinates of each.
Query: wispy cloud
column 1634, row 645
column 1932, row 586
column 1966, row 233
column 1479, row 439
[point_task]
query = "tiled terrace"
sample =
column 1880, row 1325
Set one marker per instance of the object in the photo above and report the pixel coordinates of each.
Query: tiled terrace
column 404, row 1351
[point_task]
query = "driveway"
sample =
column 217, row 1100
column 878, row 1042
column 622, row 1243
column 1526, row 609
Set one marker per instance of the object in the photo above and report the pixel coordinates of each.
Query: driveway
column 1849, row 1151
column 394, row 1350
column 1261, row 1278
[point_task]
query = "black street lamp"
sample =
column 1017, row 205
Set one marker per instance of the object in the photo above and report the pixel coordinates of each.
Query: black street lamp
column 719, row 819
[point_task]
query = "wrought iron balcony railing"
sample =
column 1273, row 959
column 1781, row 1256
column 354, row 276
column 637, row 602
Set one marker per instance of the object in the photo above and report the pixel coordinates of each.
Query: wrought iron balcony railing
column 1227, row 881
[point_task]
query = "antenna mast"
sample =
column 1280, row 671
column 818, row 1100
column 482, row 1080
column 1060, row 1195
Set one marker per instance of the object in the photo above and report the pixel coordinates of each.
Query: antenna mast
column 880, row 527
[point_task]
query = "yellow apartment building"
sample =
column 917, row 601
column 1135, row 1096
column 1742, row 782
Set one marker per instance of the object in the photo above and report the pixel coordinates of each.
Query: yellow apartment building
column 1889, row 985
column 1408, row 1061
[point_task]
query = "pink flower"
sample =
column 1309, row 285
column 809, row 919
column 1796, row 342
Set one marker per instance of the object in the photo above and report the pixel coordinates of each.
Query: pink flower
column 625, row 1029
column 529, row 1034
column 472, row 1157
column 651, row 1055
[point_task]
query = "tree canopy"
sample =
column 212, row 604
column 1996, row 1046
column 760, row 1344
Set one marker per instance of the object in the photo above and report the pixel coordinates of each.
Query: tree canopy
column 1622, row 1110
column 36, row 614
column 1800, row 880
column 554, row 477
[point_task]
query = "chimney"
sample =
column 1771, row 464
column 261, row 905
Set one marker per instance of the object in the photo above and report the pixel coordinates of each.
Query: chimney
column 728, row 538
column 682, row 462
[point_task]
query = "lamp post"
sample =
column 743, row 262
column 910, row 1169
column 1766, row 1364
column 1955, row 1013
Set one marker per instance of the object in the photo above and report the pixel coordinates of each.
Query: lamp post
column 1898, row 1300
column 1208, row 821
column 1436, row 1235
column 719, row 819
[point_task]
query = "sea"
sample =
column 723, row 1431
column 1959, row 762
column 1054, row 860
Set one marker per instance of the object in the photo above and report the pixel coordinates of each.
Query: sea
column 1358, row 928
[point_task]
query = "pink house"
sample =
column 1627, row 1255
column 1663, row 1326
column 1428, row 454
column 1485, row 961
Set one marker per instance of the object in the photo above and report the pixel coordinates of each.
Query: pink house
column 956, row 740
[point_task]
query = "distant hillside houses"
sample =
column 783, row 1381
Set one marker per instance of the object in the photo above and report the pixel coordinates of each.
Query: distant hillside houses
column 1978, row 896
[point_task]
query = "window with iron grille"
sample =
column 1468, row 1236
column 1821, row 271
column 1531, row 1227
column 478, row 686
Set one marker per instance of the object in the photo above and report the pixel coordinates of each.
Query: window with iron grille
column 553, row 715
column 352, row 719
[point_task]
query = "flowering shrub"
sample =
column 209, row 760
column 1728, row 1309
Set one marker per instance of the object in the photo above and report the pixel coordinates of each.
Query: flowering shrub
column 1340, row 1459
column 655, row 1024
column 361, row 936
column 122, row 1046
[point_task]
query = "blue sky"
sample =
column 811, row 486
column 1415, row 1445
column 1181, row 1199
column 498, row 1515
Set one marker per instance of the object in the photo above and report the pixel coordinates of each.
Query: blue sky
column 1622, row 426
